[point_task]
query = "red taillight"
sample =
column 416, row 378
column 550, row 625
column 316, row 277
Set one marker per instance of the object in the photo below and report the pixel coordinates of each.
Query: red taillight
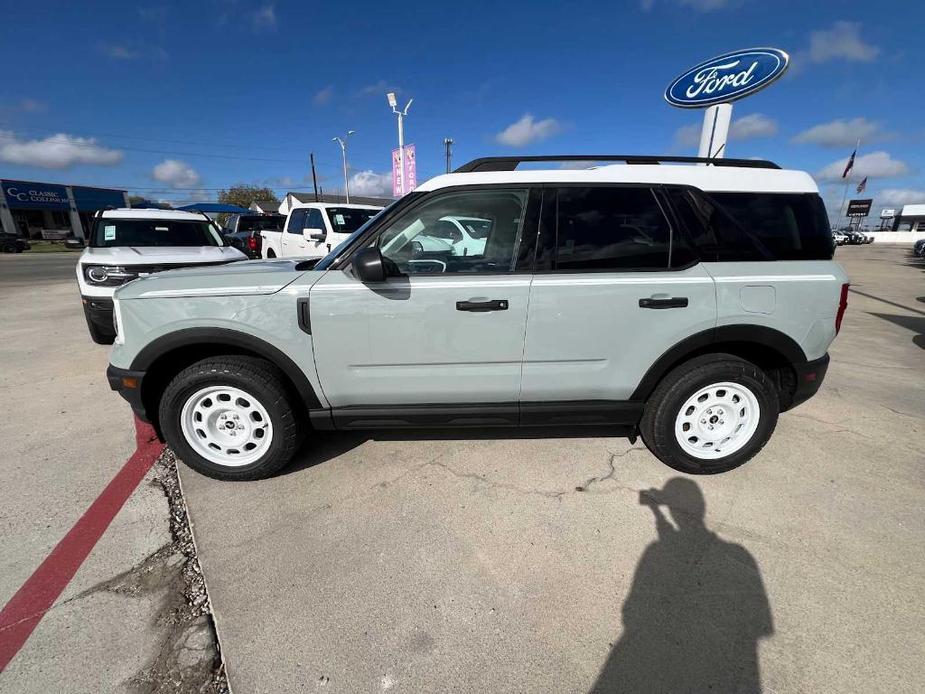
column 842, row 305
column 252, row 243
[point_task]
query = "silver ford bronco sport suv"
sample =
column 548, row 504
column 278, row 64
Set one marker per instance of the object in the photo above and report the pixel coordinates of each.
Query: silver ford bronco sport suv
column 688, row 300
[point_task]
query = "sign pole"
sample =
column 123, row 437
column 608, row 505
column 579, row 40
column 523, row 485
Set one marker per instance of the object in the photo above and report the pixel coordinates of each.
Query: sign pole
column 715, row 132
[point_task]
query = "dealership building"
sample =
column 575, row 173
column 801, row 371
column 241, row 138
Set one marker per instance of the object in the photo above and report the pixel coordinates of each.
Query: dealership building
column 35, row 210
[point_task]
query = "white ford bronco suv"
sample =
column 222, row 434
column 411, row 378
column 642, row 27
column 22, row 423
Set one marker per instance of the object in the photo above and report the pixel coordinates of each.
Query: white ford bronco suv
column 688, row 300
column 134, row 242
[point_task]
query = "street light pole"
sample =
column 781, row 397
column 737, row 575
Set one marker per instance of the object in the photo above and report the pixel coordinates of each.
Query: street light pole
column 343, row 150
column 393, row 102
column 448, row 146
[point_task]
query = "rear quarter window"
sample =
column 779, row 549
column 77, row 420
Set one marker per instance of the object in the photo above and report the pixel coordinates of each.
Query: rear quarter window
column 790, row 226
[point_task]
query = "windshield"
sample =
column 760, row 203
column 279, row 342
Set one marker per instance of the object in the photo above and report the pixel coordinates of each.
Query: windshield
column 346, row 220
column 110, row 233
column 261, row 223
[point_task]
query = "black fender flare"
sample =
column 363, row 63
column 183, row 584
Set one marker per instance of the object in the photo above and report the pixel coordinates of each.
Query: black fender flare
column 759, row 335
column 187, row 337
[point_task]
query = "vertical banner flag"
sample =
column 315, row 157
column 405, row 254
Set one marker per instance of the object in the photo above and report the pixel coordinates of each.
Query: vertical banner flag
column 411, row 171
column 396, row 173
column 862, row 185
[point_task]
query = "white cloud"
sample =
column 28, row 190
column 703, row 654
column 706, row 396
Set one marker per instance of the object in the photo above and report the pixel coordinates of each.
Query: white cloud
column 132, row 51
column 744, row 128
column 120, row 52
column 59, row 151
column 873, row 165
column 264, row 17
column 841, row 42
column 840, row 133
column 900, row 196
column 751, row 126
column 371, row 183
column 176, row 174
column 323, row 96
column 380, row 88
column 528, row 130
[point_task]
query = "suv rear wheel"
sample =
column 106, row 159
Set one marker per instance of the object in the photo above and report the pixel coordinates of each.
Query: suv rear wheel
column 710, row 414
column 230, row 418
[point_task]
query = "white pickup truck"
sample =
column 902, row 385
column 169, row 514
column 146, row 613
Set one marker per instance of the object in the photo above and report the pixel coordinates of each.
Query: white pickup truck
column 312, row 229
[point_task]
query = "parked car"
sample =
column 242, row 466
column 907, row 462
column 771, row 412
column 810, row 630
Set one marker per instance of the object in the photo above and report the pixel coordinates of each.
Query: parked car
column 12, row 243
column 642, row 296
column 125, row 244
column 243, row 231
column 840, row 237
column 312, row 229
column 918, row 249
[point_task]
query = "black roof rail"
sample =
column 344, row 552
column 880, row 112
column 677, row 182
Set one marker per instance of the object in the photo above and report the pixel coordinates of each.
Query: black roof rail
column 510, row 163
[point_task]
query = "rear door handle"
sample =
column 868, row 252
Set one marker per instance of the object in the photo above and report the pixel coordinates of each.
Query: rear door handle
column 481, row 306
column 673, row 302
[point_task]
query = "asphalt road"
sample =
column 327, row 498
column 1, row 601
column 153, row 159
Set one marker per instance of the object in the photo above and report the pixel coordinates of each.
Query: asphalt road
column 24, row 269
column 455, row 562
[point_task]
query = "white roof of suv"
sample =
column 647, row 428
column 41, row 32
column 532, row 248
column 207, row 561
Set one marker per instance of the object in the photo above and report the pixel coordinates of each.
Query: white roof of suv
column 722, row 178
column 147, row 213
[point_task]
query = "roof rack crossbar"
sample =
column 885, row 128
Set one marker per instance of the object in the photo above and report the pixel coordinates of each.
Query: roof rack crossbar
column 510, row 163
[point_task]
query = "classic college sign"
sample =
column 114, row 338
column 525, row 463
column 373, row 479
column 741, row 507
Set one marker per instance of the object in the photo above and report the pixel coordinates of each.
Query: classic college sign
column 728, row 77
column 23, row 194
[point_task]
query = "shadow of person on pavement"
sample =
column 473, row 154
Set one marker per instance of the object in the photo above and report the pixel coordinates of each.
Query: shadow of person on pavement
column 696, row 610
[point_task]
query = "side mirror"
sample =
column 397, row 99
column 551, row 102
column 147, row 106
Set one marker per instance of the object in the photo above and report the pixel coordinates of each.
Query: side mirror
column 74, row 244
column 368, row 265
column 314, row 234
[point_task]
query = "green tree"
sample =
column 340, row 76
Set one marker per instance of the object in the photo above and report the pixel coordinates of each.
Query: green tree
column 243, row 194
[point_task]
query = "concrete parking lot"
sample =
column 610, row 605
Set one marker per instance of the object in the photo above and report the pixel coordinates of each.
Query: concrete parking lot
column 508, row 561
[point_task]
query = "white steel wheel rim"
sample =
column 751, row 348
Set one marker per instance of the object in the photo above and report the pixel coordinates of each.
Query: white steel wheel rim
column 226, row 425
column 717, row 420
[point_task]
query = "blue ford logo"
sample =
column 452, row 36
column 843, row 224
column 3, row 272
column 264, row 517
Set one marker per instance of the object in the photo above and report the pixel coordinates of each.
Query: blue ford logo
column 727, row 77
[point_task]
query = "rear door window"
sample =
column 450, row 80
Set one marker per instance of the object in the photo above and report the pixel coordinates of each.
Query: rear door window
column 610, row 228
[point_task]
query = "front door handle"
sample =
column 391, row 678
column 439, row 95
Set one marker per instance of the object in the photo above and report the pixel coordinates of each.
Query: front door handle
column 672, row 302
column 480, row 306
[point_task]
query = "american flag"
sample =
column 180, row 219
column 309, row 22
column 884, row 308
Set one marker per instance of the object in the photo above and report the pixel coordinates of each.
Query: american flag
column 862, row 185
column 850, row 164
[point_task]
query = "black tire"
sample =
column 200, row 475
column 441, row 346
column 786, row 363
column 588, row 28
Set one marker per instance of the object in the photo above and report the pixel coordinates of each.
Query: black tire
column 256, row 377
column 7, row 248
column 657, row 426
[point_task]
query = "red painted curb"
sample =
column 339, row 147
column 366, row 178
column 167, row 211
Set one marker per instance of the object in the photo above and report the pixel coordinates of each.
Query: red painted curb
column 36, row 596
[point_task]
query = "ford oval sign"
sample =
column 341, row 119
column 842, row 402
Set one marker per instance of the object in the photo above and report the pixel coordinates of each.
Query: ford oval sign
column 727, row 78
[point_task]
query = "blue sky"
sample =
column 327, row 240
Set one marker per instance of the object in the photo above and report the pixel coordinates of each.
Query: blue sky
column 176, row 100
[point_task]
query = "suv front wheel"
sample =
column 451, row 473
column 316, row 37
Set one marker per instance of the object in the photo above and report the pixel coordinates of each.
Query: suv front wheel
column 230, row 418
column 710, row 414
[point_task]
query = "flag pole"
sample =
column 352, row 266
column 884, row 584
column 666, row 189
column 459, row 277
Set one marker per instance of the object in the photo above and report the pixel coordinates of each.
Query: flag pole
column 847, row 181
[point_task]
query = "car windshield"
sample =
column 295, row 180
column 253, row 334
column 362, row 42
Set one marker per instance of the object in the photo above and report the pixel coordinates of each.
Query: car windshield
column 261, row 223
column 346, row 220
column 110, row 233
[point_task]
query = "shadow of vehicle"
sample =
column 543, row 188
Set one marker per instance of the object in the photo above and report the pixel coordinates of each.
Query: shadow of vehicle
column 321, row 446
column 696, row 610
column 914, row 323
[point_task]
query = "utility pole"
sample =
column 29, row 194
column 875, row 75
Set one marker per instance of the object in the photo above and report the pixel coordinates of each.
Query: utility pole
column 448, row 146
column 393, row 102
column 314, row 178
column 342, row 141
